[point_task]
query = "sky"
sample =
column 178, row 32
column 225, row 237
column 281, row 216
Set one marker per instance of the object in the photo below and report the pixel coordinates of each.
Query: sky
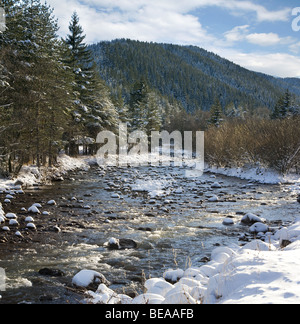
column 263, row 36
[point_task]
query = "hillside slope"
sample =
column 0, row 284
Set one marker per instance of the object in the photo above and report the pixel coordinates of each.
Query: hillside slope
column 188, row 74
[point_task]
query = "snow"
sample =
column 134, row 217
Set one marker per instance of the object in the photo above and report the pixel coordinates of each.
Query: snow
column 258, row 273
column 31, row 175
column 31, row 226
column 86, row 277
column 255, row 173
column 155, row 188
column 34, row 210
column 251, row 219
column 259, row 228
column 11, row 216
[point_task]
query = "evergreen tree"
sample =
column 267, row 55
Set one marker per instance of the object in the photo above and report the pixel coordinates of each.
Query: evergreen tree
column 154, row 109
column 137, row 106
column 282, row 107
column 216, row 114
column 94, row 108
column 39, row 94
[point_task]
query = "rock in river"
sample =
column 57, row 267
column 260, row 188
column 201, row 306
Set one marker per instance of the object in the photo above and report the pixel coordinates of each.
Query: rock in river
column 89, row 279
column 51, row 272
column 121, row 244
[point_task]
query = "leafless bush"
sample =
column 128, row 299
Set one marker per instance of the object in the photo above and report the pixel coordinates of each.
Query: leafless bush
column 271, row 143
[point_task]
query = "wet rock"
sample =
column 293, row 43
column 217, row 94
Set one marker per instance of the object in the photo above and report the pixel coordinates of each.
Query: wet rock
column 228, row 221
column 214, row 198
column 51, row 272
column 216, row 185
column 145, row 229
column 285, row 243
column 121, row 244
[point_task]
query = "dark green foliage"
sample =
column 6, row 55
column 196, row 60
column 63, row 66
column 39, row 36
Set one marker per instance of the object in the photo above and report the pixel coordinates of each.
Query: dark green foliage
column 216, row 114
column 187, row 75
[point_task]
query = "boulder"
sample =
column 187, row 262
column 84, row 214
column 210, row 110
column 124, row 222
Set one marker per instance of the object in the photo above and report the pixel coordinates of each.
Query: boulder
column 228, row 221
column 250, row 219
column 121, row 244
column 89, row 279
column 259, row 228
column 51, row 272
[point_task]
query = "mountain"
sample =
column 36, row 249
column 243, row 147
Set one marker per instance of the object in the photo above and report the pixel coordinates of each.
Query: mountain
column 189, row 75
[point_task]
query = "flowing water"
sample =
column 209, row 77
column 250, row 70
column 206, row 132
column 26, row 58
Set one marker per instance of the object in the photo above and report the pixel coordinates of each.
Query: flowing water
column 176, row 229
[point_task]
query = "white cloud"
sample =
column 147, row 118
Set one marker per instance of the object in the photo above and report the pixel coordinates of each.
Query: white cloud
column 277, row 64
column 238, row 33
column 173, row 22
column 268, row 39
column 241, row 33
column 155, row 20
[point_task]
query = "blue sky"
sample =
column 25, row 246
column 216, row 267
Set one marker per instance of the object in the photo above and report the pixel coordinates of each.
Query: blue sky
column 255, row 34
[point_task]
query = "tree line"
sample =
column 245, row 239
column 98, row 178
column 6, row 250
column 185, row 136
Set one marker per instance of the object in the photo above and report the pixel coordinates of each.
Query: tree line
column 52, row 97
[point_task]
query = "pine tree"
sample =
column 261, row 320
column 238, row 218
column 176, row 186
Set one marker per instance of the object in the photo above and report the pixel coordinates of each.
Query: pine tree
column 39, row 94
column 154, row 109
column 283, row 106
column 137, row 106
column 216, row 114
column 94, row 108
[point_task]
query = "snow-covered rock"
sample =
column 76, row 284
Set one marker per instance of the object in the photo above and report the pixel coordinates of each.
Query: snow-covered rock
column 259, row 228
column 228, row 221
column 173, row 275
column 31, row 226
column 158, row 286
column 34, row 210
column 11, row 216
column 214, row 198
column 13, row 222
column 38, row 205
column 216, row 185
column 88, row 278
column 250, row 219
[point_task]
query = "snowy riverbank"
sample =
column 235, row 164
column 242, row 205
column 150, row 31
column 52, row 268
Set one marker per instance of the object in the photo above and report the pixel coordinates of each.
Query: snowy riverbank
column 258, row 273
column 32, row 175
column 258, row 174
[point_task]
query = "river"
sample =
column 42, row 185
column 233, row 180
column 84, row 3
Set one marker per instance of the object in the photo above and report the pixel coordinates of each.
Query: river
column 176, row 228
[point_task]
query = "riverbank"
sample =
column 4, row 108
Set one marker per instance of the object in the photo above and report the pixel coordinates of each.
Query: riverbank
column 168, row 216
column 257, row 273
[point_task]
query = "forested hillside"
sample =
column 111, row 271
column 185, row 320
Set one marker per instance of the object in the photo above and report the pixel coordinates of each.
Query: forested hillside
column 187, row 74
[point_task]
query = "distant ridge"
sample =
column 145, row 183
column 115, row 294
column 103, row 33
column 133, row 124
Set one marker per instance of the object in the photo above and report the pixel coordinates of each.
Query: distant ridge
column 189, row 75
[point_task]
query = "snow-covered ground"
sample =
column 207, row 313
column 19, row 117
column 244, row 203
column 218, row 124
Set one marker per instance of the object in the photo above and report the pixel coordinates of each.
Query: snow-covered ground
column 30, row 175
column 258, row 174
column 258, row 273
